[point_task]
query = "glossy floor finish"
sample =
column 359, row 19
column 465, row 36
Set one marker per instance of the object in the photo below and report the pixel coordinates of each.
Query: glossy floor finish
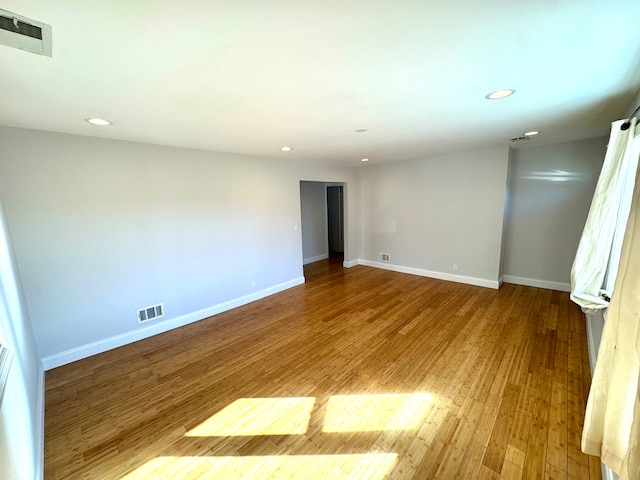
column 360, row 373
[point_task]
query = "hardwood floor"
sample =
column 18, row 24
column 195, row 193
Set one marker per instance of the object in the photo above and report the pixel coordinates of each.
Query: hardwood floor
column 359, row 373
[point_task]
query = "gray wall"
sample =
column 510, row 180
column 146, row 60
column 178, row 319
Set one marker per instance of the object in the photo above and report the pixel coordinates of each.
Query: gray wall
column 102, row 228
column 433, row 213
column 21, row 415
column 313, row 209
column 97, row 220
column 550, row 192
column 507, row 201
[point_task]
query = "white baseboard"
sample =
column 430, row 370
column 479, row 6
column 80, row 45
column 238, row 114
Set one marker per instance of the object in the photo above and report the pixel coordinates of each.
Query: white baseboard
column 317, row 258
column 100, row 346
column 533, row 282
column 480, row 282
column 39, row 429
column 350, row 263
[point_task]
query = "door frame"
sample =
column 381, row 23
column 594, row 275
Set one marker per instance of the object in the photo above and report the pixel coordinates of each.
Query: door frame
column 345, row 218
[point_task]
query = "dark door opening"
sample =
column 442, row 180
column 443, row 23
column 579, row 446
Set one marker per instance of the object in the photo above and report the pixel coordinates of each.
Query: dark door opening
column 335, row 220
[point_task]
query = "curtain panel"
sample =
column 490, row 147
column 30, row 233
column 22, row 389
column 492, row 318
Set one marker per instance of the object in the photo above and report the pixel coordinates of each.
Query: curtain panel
column 612, row 418
column 592, row 273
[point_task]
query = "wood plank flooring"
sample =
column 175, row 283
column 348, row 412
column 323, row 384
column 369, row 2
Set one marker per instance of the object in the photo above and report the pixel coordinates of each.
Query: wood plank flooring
column 360, row 373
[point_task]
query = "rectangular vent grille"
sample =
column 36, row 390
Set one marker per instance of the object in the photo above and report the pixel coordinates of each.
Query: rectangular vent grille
column 21, row 28
column 23, row 33
column 384, row 257
column 520, row 139
column 149, row 313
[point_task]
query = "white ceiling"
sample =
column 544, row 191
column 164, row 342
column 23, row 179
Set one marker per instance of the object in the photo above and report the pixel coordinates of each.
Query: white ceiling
column 248, row 76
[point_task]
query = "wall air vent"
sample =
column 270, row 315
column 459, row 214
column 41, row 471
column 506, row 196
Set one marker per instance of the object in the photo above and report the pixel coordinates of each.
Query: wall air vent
column 149, row 313
column 520, row 139
column 20, row 32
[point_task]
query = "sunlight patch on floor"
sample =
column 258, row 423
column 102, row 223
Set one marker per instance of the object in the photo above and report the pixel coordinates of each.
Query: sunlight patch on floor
column 367, row 413
column 258, row 416
column 291, row 416
column 370, row 466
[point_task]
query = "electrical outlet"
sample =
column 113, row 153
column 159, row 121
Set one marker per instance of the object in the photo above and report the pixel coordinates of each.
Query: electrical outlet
column 455, row 267
column 253, row 284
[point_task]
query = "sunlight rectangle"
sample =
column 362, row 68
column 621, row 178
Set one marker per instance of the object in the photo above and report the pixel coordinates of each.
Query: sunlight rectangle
column 370, row 466
column 367, row 413
column 258, row 416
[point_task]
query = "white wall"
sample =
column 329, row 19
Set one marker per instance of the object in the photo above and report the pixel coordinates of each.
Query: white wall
column 22, row 411
column 102, row 228
column 550, row 191
column 313, row 205
column 430, row 214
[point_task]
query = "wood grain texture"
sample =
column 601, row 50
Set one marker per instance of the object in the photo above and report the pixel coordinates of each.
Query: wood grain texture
column 368, row 374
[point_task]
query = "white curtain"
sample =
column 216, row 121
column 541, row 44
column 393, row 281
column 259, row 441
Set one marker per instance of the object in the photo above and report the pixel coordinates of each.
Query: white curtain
column 594, row 268
column 612, row 419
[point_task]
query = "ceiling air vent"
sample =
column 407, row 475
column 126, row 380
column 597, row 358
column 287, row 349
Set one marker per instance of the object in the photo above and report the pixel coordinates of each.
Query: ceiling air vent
column 20, row 32
column 520, row 139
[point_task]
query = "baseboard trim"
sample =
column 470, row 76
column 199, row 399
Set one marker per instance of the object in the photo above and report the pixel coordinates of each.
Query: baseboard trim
column 100, row 346
column 39, row 428
column 533, row 282
column 479, row 282
column 350, row 263
column 317, row 258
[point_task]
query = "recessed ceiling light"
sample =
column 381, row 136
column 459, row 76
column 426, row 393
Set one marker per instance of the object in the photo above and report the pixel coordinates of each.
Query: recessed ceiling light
column 286, row 148
column 98, row 121
column 532, row 132
column 364, row 160
column 361, row 130
column 500, row 94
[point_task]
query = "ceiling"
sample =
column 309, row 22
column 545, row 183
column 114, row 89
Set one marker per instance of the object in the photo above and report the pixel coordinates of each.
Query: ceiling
column 248, row 76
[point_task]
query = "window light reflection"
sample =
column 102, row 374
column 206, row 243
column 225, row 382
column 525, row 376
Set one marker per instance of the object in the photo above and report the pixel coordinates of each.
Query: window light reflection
column 258, row 416
column 372, row 466
column 555, row 176
column 366, row 413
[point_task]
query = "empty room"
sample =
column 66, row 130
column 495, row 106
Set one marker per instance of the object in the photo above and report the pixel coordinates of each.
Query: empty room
column 319, row 240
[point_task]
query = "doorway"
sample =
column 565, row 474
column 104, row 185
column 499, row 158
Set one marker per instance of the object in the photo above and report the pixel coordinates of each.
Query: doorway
column 322, row 221
column 335, row 223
